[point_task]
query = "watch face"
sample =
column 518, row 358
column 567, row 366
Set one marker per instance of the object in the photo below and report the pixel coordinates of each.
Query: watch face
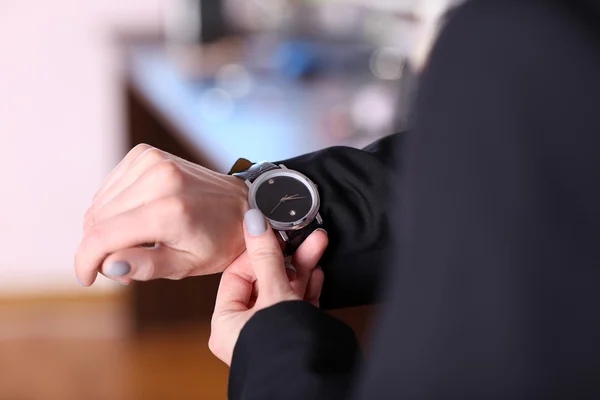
column 284, row 199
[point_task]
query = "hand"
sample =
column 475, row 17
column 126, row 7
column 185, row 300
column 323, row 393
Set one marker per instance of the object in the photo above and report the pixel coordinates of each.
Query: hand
column 192, row 213
column 258, row 280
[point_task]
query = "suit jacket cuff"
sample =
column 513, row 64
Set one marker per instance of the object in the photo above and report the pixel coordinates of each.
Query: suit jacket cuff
column 293, row 350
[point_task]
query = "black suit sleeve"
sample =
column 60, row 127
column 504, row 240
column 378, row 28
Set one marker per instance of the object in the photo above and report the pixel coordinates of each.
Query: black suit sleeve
column 355, row 187
column 496, row 292
column 291, row 351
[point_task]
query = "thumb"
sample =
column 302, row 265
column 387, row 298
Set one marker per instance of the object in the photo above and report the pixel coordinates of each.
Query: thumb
column 266, row 259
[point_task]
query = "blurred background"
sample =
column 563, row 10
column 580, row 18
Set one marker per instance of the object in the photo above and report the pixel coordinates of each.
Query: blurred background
column 81, row 82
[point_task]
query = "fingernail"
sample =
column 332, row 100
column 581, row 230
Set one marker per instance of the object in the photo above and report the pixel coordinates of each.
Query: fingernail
column 118, row 268
column 78, row 281
column 255, row 221
column 322, row 230
column 290, row 266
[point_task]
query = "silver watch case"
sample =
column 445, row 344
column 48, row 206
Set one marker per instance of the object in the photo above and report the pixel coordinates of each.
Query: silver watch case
column 287, row 226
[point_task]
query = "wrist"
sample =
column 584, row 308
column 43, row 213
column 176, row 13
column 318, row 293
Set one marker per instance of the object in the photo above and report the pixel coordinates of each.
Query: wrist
column 240, row 191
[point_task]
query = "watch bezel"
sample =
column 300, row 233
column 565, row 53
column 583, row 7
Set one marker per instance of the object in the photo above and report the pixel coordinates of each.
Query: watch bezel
column 312, row 188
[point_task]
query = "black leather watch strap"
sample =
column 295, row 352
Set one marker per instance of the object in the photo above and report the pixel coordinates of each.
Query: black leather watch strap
column 240, row 165
column 255, row 171
column 296, row 238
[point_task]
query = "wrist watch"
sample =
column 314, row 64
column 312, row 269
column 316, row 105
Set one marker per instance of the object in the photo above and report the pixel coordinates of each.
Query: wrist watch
column 287, row 198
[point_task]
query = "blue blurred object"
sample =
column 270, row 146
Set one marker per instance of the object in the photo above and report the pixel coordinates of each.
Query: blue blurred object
column 297, row 58
column 280, row 118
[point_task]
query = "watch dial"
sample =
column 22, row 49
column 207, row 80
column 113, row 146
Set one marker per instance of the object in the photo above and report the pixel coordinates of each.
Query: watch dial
column 284, row 199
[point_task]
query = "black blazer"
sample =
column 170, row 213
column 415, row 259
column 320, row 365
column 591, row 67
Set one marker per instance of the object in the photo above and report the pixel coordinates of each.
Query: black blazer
column 489, row 254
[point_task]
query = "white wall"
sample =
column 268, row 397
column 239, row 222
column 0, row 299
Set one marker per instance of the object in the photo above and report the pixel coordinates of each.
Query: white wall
column 59, row 129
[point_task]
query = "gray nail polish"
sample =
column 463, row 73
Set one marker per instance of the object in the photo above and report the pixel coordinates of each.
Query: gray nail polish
column 118, row 268
column 255, row 222
column 78, row 281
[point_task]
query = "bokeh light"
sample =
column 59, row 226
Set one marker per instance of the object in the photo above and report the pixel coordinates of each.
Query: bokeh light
column 216, row 104
column 235, row 79
column 387, row 63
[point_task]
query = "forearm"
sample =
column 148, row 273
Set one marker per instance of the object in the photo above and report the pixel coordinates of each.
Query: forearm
column 355, row 187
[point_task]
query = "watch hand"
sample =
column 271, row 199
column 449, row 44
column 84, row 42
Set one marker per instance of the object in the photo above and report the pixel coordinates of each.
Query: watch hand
column 292, row 197
column 296, row 198
column 278, row 204
column 275, row 208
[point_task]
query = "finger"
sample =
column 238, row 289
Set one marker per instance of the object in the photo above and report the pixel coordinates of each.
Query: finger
column 315, row 287
column 163, row 179
column 144, row 264
column 306, row 259
column 266, row 257
column 160, row 180
column 121, row 167
column 145, row 160
column 235, row 292
column 152, row 223
column 242, row 265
